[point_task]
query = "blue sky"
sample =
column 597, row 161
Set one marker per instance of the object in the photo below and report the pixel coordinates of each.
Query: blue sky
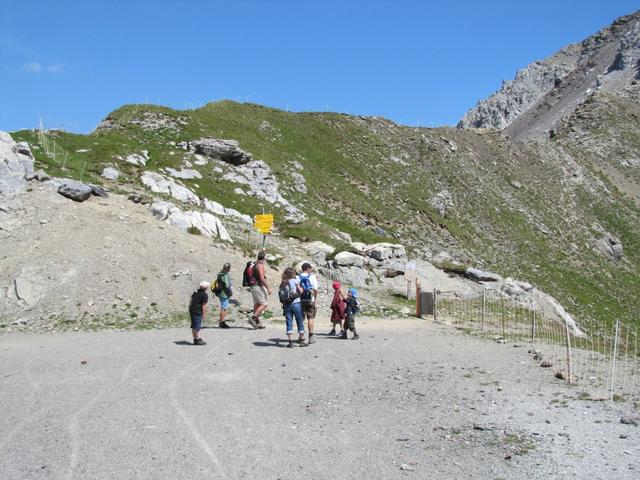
column 415, row 62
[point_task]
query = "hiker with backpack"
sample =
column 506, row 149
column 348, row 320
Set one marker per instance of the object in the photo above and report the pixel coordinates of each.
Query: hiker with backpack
column 221, row 288
column 197, row 310
column 309, row 284
column 289, row 295
column 353, row 307
column 255, row 276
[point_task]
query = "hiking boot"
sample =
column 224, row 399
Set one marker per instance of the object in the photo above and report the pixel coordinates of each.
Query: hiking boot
column 301, row 342
column 355, row 336
column 290, row 345
column 312, row 338
column 223, row 325
column 199, row 341
column 343, row 335
column 260, row 325
column 332, row 332
column 252, row 322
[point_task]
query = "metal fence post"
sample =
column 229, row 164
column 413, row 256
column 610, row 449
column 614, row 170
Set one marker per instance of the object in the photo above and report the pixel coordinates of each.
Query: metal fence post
column 613, row 361
column 568, row 335
column 435, row 305
column 484, row 308
column 502, row 314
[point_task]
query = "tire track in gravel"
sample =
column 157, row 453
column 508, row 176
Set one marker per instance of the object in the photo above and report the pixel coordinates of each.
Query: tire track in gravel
column 200, row 441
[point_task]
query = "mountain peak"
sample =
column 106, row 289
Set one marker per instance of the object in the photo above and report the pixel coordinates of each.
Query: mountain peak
column 531, row 105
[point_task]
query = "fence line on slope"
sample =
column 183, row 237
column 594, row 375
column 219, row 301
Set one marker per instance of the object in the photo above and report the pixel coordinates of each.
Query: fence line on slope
column 602, row 360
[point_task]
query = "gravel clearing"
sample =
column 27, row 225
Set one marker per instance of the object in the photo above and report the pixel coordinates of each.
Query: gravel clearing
column 409, row 400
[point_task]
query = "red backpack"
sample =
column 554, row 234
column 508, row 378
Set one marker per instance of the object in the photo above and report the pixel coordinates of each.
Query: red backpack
column 249, row 275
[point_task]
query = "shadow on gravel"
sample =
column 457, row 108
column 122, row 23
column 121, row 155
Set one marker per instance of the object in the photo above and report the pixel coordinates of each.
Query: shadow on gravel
column 183, row 342
column 272, row 342
column 231, row 327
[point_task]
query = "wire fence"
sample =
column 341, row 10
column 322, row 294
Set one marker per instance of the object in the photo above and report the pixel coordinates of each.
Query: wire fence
column 66, row 165
column 603, row 360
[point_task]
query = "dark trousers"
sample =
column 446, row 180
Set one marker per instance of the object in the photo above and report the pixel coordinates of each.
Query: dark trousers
column 350, row 323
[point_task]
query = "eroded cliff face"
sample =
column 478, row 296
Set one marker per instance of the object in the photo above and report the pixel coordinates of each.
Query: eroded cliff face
column 531, row 105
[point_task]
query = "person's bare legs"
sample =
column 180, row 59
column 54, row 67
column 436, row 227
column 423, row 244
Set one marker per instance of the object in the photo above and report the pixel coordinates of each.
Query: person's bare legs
column 258, row 310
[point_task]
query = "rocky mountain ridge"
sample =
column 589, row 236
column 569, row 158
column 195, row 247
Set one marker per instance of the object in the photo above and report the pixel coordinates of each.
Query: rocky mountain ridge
column 531, row 105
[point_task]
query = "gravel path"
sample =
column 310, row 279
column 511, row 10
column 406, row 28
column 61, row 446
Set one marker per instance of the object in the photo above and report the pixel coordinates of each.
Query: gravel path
column 410, row 399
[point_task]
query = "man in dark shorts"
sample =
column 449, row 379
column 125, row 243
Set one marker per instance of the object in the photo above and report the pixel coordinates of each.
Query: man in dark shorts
column 197, row 310
column 309, row 284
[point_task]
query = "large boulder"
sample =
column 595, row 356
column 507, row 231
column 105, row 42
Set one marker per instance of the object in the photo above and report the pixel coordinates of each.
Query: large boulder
column 348, row 259
column 351, row 276
column 76, row 191
column 318, row 250
column 225, row 150
column 16, row 166
column 384, row 251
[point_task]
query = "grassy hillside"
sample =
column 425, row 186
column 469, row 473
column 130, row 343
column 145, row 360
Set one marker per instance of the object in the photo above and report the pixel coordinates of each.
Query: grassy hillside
column 534, row 213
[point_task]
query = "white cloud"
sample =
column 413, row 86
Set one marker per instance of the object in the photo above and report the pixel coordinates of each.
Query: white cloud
column 37, row 67
column 31, row 67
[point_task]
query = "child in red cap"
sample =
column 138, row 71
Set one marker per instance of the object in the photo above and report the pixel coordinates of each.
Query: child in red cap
column 338, row 308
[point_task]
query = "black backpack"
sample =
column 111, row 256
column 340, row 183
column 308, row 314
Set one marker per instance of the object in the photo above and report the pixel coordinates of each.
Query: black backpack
column 285, row 294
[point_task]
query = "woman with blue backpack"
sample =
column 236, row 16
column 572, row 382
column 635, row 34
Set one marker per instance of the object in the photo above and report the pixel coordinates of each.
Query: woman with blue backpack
column 289, row 295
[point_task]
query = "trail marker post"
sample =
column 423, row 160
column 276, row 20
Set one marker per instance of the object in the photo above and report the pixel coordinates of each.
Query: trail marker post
column 264, row 224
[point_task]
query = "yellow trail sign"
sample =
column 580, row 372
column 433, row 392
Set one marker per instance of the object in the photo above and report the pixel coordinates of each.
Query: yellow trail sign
column 264, row 223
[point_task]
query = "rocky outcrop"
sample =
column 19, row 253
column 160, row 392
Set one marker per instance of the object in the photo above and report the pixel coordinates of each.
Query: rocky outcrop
column 225, row 150
column 318, row 250
column 263, row 184
column 16, row 166
column 183, row 173
column 442, row 202
column 348, row 259
column 138, row 158
column 482, row 275
column 161, row 184
column 218, row 209
column 110, row 173
column 205, row 223
column 611, row 247
column 544, row 92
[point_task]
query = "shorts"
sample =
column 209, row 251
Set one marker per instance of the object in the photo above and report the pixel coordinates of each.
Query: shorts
column 309, row 310
column 196, row 321
column 259, row 294
column 224, row 303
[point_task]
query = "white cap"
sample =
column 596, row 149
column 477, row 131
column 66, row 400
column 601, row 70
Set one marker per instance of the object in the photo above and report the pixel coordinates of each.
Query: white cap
column 204, row 285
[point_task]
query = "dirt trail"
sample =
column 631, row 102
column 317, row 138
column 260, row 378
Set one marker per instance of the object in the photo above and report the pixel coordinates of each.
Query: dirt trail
column 411, row 399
